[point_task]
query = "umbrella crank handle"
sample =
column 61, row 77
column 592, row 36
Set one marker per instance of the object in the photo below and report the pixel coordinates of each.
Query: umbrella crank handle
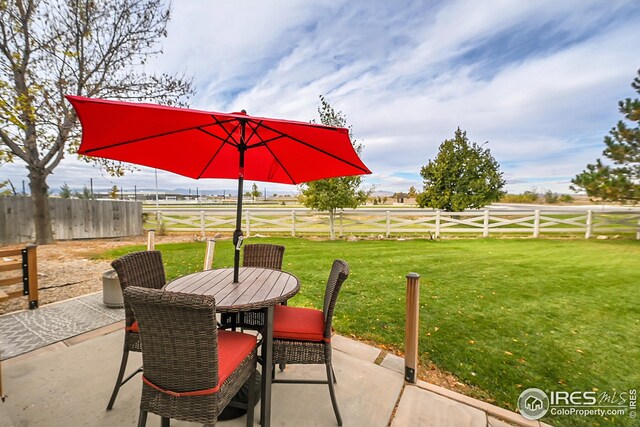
column 238, row 238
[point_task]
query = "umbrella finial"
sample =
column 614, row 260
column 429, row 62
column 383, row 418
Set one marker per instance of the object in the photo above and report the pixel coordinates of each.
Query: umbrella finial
column 243, row 111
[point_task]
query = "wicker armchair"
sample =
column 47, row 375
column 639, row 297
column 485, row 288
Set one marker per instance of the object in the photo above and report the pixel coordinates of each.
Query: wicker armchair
column 303, row 335
column 191, row 370
column 255, row 255
column 143, row 269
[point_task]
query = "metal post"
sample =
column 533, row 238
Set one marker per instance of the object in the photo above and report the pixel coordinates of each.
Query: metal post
column 156, row 173
column 411, row 328
column 208, row 257
column 151, row 240
column 30, row 274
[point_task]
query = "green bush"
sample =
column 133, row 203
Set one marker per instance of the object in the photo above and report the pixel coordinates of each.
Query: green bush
column 550, row 197
column 526, row 197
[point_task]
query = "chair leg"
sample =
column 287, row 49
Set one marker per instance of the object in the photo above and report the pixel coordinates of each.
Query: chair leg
column 251, row 399
column 142, row 418
column 333, row 373
column 165, row 422
column 334, row 402
column 123, row 367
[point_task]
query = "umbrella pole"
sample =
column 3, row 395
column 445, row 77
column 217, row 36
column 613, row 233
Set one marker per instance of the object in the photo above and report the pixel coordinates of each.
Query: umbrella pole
column 237, row 234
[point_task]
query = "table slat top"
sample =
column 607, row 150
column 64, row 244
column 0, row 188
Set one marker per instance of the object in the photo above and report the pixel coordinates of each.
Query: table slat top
column 256, row 288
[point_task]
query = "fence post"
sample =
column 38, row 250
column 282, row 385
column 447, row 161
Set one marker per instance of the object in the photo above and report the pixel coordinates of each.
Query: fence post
column 437, row 224
column 638, row 230
column 30, row 264
column 208, row 257
column 340, row 222
column 202, row 228
column 388, row 224
column 411, row 328
column 589, row 231
column 151, row 240
column 247, row 219
column 293, row 223
column 159, row 221
column 536, row 223
column 485, row 229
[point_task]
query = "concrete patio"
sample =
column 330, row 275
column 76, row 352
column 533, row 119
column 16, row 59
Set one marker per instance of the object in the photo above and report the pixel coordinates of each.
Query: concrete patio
column 67, row 380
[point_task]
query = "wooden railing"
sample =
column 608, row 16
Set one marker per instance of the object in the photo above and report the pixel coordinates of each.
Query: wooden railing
column 399, row 222
column 28, row 274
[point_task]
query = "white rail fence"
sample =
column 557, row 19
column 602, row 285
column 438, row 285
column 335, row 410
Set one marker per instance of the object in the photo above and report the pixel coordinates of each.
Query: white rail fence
column 398, row 222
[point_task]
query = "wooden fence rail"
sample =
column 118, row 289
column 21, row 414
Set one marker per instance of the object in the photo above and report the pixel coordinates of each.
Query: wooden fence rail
column 28, row 276
column 398, row 222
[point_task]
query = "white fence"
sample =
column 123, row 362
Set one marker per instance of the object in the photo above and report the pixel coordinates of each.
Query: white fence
column 398, row 222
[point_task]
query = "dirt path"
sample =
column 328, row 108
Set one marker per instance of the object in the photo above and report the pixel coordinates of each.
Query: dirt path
column 66, row 270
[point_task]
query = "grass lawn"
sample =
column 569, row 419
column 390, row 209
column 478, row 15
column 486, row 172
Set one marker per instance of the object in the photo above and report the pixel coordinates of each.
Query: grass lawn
column 501, row 314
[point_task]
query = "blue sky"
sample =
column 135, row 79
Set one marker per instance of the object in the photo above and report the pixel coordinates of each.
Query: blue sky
column 540, row 80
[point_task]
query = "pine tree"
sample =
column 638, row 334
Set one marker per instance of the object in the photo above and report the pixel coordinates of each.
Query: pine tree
column 618, row 178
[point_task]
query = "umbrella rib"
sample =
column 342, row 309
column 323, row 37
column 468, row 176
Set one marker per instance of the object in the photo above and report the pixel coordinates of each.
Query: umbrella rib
column 293, row 181
column 229, row 134
column 215, row 155
column 131, row 141
column 284, row 135
column 264, row 143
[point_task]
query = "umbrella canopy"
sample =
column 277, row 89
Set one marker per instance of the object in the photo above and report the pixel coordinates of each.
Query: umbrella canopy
column 204, row 144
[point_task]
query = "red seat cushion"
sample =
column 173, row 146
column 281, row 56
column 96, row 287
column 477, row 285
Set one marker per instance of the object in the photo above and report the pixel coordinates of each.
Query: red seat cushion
column 233, row 347
column 134, row 327
column 297, row 323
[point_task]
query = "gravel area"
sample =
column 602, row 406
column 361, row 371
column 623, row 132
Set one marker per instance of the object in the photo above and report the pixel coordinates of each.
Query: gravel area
column 66, row 268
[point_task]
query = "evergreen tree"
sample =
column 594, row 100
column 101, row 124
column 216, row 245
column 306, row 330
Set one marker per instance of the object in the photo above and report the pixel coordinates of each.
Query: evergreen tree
column 65, row 191
column 618, row 178
column 463, row 175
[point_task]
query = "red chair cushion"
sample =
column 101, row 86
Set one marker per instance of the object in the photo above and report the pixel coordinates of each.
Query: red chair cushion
column 233, row 347
column 297, row 323
column 134, row 327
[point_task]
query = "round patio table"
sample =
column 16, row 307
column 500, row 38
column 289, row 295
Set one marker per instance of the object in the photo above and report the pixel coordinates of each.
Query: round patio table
column 257, row 289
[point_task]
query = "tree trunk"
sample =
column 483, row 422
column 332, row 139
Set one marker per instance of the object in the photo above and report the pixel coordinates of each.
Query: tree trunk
column 40, row 199
column 332, row 231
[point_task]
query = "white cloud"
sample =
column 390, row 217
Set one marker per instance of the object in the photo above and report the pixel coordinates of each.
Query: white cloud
column 539, row 80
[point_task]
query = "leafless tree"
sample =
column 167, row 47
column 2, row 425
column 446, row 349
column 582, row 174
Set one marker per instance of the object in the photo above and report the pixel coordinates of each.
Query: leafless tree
column 78, row 47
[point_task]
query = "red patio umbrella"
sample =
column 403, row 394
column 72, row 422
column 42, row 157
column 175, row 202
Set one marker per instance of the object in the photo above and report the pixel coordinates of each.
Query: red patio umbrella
column 205, row 144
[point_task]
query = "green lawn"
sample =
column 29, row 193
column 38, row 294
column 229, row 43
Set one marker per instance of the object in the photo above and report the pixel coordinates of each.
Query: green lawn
column 501, row 314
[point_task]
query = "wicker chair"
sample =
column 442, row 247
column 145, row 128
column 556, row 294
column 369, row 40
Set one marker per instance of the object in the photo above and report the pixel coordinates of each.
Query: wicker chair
column 303, row 335
column 143, row 269
column 191, row 370
column 255, row 255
